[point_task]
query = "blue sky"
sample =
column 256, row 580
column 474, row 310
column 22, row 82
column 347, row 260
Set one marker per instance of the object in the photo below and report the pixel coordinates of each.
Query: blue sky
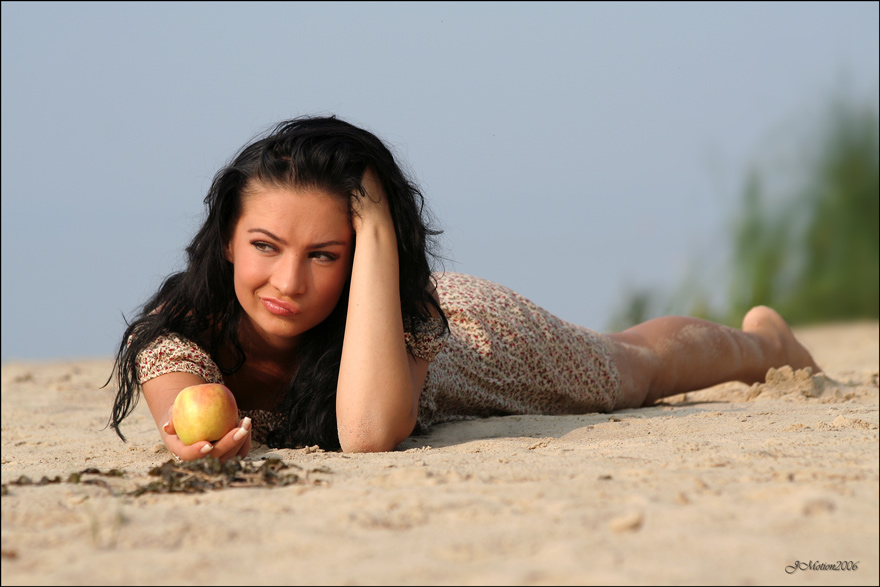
column 571, row 151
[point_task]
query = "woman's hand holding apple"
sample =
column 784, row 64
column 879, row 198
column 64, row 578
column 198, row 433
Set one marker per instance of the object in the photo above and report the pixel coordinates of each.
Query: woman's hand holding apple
column 207, row 419
column 223, row 449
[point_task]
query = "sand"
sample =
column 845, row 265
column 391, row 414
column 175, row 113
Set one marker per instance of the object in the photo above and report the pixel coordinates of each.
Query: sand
column 729, row 485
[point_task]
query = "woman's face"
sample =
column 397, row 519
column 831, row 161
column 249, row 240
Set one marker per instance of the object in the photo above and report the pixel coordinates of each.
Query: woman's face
column 291, row 252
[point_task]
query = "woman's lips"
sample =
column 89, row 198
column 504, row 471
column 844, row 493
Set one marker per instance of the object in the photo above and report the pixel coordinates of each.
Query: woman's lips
column 280, row 308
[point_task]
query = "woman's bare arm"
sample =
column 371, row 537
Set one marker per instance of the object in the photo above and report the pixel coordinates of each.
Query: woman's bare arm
column 379, row 382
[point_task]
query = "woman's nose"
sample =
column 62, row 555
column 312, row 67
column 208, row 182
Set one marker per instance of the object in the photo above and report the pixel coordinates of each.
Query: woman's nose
column 291, row 276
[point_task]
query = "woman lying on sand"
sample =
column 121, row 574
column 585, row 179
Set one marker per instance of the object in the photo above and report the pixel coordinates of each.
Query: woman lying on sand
column 308, row 292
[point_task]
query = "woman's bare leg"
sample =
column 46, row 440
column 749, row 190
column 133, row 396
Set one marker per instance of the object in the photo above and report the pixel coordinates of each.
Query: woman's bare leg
column 674, row 354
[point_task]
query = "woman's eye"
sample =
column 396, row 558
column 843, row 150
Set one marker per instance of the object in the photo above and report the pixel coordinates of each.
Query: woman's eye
column 263, row 246
column 324, row 256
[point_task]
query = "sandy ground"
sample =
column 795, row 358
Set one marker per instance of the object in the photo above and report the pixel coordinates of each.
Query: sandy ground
column 729, row 485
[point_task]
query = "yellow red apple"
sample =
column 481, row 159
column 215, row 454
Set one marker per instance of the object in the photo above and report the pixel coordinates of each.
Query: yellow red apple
column 204, row 412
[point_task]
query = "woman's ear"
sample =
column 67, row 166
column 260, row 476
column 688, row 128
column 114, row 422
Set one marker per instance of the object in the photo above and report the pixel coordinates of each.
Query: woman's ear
column 227, row 252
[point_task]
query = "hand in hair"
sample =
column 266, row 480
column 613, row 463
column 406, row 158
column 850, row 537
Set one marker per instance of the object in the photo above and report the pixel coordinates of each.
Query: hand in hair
column 372, row 209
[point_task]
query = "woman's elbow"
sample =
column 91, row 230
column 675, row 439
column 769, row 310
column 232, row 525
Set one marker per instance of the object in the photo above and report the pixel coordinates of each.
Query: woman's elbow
column 362, row 445
column 372, row 440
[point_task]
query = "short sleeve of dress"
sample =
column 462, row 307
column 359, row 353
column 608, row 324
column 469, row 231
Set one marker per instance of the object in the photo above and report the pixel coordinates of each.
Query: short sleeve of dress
column 173, row 353
column 427, row 339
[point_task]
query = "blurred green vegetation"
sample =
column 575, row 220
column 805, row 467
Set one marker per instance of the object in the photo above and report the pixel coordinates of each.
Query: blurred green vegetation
column 808, row 247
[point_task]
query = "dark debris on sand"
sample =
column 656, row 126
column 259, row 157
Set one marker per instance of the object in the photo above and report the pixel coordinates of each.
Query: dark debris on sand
column 198, row 476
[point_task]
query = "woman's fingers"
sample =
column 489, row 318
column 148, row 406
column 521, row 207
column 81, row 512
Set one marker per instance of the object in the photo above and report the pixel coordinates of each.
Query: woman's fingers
column 187, row 452
column 168, row 426
column 236, row 442
column 245, row 448
column 243, row 430
column 374, row 206
column 372, row 185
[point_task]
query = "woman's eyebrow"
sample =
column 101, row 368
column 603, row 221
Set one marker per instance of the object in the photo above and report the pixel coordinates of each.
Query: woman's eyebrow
column 269, row 234
column 283, row 242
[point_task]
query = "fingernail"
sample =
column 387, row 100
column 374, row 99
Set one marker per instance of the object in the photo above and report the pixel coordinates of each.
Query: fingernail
column 242, row 432
column 165, row 426
column 207, row 448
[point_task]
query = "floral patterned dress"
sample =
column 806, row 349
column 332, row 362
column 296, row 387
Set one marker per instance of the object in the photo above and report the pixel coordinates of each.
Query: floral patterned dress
column 502, row 355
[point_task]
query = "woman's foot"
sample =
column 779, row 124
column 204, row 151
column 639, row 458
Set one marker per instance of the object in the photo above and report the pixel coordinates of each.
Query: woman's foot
column 771, row 327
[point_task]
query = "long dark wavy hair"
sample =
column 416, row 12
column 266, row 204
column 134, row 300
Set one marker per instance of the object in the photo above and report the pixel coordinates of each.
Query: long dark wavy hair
column 199, row 302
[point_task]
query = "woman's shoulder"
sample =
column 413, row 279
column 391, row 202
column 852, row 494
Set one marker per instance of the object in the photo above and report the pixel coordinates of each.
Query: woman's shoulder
column 174, row 353
column 453, row 278
column 461, row 287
